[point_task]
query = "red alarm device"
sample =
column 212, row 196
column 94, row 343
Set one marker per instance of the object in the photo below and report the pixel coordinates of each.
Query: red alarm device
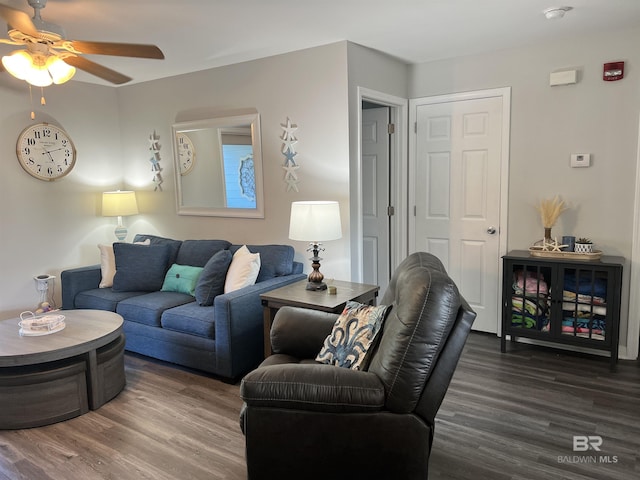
column 613, row 71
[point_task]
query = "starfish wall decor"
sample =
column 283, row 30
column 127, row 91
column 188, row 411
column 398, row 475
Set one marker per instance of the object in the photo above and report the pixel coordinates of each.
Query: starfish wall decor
column 288, row 150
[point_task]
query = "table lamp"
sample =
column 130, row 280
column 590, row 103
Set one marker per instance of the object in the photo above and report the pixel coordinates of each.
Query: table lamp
column 119, row 204
column 314, row 222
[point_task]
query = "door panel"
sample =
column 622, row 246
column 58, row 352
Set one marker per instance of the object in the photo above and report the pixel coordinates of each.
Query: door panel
column 458, row 155
column 375, row 196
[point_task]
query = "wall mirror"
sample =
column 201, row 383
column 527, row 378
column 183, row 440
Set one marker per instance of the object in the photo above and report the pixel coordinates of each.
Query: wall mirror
column 218, row 163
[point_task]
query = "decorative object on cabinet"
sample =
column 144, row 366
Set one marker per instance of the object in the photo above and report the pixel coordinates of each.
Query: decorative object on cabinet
column 550, row 210
column 565, row 301
column 584, row 245
column 315, row 221
column 154, row 146
column 288, row 150
column 45, row 151
column 119, row 204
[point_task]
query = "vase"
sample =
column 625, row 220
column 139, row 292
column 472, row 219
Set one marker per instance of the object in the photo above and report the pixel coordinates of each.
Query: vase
column 547, row 234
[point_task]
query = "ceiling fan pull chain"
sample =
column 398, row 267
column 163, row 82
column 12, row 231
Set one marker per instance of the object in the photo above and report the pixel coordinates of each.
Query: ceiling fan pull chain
column 42, row 100
column 33, row 113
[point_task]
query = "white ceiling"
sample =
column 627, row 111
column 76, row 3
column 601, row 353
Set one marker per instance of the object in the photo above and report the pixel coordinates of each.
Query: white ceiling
column 202, row 34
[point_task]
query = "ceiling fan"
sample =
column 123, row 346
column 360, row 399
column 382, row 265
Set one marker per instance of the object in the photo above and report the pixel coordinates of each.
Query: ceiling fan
column 46, row 45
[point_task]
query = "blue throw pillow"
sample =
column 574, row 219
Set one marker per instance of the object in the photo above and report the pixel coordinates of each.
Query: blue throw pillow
column 140, row 268
column 211, row 281
column 181, row 279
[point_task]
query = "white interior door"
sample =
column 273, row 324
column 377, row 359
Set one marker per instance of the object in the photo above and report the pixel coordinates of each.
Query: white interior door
column 457, row 173
column 375, row 196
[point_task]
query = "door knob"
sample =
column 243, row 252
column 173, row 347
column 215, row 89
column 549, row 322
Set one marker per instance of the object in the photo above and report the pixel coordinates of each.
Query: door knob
column 491, row 230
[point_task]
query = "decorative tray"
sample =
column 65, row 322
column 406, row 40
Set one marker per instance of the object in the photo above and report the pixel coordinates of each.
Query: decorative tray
column 40, row 325
column 538, row 252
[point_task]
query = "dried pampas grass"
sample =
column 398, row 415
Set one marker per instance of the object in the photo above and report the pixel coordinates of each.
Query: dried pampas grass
column 550, row 210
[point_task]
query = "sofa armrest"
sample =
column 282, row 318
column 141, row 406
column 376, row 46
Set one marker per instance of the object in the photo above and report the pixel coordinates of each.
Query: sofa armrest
column 313, row 387
column 76, row 280
column 239, row 325
column 300, row 332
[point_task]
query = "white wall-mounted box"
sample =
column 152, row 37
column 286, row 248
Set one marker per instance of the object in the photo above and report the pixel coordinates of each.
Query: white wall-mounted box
column 563, row 78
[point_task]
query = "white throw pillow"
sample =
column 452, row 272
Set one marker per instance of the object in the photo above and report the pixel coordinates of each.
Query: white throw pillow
column 243, row 270
column 108, row 263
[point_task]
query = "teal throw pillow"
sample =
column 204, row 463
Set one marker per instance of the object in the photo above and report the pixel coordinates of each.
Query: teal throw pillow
column 211, row 282
column 181, row 279
column 353, row 337
column 139, row 268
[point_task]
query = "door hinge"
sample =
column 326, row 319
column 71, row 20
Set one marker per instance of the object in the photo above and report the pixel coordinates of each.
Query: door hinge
column 391, row 129
column 415, row 210
column 415, row 127
column 391, row 211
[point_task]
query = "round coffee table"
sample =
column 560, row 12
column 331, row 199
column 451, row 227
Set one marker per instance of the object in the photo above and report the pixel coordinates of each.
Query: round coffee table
column 50, row 378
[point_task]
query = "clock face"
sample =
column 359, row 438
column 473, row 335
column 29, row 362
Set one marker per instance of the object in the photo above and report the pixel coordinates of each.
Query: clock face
column 46, row 151
column 186, row 153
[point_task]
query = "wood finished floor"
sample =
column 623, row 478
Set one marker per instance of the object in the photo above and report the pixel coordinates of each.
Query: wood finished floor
column 506, row 416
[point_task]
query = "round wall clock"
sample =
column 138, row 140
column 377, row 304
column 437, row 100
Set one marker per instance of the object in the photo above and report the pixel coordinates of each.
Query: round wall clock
column 45, row 151
column 186, row 153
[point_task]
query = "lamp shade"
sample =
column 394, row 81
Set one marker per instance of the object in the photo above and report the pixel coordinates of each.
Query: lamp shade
column 315, row 221
column 120, row 203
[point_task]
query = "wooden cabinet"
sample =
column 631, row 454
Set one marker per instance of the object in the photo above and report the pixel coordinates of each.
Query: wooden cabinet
column 562, row 300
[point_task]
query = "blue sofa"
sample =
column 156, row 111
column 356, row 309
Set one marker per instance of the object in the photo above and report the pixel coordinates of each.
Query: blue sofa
column 224, row 339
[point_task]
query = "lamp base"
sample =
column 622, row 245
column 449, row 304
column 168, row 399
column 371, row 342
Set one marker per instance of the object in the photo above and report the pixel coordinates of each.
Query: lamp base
column 316, row 286
column 121, row 233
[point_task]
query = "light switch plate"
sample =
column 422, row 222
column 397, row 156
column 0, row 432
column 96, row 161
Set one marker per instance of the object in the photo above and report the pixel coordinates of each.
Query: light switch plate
column 580, row 160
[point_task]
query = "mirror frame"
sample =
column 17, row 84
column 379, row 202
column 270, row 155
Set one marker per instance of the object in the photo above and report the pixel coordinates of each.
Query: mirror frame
column 216, row 123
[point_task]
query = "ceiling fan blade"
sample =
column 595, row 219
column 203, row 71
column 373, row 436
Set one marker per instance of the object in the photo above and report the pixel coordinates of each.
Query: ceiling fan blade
column 118, row 49
column 97, row 70
column 18, row 20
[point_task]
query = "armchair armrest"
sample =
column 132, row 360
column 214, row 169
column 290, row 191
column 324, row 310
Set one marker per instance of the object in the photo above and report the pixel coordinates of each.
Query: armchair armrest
column 300, row 332
column 313, row 387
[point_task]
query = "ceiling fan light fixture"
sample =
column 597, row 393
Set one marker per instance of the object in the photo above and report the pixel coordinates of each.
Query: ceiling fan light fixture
column 37, row 69
column 18, row 63
column 59, row 70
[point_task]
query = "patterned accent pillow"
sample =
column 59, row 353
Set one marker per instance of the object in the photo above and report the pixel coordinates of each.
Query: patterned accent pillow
column 352, row 339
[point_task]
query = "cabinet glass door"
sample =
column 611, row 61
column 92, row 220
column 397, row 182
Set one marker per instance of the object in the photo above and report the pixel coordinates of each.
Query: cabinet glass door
column 584, row 303
column 530, row 298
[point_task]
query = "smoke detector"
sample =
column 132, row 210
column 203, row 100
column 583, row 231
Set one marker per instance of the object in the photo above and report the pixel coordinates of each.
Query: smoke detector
column 556, row 12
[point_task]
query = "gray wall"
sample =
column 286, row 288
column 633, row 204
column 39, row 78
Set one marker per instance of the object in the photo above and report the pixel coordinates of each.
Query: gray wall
column 548, row 124
column 46, row 227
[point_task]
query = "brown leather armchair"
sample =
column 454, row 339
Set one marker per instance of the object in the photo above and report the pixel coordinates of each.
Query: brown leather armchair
column 306, row 420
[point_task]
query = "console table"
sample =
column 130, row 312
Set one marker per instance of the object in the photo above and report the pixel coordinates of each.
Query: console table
column 49, row 378
column 295, row 295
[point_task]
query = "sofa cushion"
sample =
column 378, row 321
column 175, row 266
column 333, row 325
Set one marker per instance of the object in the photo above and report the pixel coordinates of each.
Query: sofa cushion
column 275, row 260
column 108, row 263
column 102, row 299
column 190, row 318
column 182, row 279
column 243, row 270
column 148, row 308
column 140, row 267
column 212, row 279
column 174, row 245
column 198, row 252
column 353, row 336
